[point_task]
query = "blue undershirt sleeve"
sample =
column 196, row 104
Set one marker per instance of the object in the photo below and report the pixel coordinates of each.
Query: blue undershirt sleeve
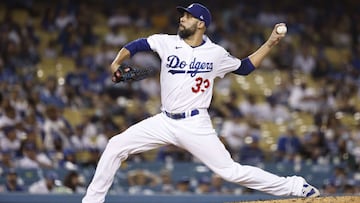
column 138, row 46
column 245, row 68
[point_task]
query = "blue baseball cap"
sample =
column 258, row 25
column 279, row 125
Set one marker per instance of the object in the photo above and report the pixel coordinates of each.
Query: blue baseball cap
column 198, row 11
column 51, row 175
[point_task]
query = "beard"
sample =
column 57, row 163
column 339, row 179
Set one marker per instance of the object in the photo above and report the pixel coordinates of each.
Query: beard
column 187, row 32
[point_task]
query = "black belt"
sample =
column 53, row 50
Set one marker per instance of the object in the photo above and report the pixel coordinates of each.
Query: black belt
column 183, row 115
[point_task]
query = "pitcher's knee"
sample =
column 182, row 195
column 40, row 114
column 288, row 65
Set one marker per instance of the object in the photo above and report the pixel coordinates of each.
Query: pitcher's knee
column 232, row 173
column 116, row 147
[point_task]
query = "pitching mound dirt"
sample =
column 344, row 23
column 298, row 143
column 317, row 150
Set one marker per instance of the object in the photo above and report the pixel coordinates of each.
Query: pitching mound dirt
column 335, row 199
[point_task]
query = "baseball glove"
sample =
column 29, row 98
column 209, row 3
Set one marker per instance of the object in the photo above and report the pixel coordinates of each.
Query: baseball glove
column 126, row 73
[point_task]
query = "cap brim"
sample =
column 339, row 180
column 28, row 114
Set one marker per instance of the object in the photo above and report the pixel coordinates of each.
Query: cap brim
column 181, row 9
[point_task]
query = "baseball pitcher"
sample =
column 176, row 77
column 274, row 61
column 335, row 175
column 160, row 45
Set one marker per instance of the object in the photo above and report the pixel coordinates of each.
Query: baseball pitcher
column 190, row 62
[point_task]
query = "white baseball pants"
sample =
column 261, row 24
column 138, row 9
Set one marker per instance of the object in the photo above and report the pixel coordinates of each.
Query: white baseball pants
column 196, row 135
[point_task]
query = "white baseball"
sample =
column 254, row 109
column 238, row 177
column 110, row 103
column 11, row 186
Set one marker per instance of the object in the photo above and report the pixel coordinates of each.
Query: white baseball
column 281, row 29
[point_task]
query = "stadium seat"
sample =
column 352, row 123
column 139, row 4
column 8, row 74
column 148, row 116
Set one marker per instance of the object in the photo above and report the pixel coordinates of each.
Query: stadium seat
column 336, row 56
column 58, row 67
column 20, row 16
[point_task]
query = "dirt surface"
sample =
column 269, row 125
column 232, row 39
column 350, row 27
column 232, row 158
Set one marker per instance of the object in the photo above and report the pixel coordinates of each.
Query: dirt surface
column 330, row 199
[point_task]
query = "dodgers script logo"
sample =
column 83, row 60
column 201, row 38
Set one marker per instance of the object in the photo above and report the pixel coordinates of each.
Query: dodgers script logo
column 177, row 66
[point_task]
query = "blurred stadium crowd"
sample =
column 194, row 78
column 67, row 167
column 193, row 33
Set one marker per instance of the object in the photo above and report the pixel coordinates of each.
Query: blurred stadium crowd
column 58, row 106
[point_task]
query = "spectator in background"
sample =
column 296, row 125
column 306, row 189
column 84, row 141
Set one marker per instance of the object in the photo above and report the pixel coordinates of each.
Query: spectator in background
column 69, row 161
column 50, row 51
column 350, row 188
column 330, row 188
column 229, row 106
column 150, row 89
column 142, row 182
column 33, row 159
column 92, row 86
column 72, row 47
column 63, row 36
column 17, row 96
column 304, row 61
column 31, row 121
column 45, row 185
column 52, row 94
column 85, row 28
column 183, row 187
column 354, row 146
column 273, row 111
column 12, row 32
column 10, row 141
column 116, row 37
column 72, row 87
column 9, row 117
column 343, row 146
column 314, row 145
column 7, row 159
column 166, row 182
column 92, row 158
column 29, row 54
column 77, row 139
column 105, row 55
column 249, row 107
column 288, row 146
column 73, row 181
column 31, row 138
column 233, row 133
column 13, row 182
column 7, row 74
column 85, row 60
column 108, row 129
column 63, row 18
column 304, row 98
column 251, row 153
column 174, row 153
column 340, row 176
column 90, row 130
column 141, row 18
column 203, row 186
column 340, row 183
column 119, row 17
column 48, row 19
column 217, row 185
column 342, row 37
column 355, row 58
column 285, row 55
column 55, row 128
column 93, row 132
column 322, row 69
column 36, row 107
column 331, row 128
column 281, row 92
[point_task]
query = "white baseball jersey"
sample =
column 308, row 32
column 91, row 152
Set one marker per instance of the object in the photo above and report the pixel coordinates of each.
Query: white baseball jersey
column 187, row 73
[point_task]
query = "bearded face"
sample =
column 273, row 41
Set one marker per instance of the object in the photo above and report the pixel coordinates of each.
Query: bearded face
column 185, row 33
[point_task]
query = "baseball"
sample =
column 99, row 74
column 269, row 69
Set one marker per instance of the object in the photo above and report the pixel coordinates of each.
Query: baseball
column 281, row 29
